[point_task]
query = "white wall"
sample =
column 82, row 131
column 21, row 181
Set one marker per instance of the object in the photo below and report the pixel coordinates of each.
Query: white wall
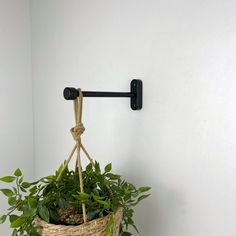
column 16, row 122
column 183, row 141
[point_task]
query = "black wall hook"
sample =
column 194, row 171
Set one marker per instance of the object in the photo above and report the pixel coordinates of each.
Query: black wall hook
column 135, row 94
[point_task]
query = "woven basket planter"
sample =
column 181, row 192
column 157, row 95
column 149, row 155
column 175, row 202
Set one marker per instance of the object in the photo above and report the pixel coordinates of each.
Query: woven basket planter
column 95, row 227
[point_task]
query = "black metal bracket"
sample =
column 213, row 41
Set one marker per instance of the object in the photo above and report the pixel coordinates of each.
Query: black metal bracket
column 135, row 94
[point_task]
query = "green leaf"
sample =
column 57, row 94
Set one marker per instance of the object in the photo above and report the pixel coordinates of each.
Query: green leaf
column 108, row 168
column 32, row 202
column 18, row 172
column 29, row 212
column 59, row 171
column 143, row 197
column 43, row 213
column 89, row 167
column 92, row 213
column 26, row 185
column 95, row 197
column 144, row 189
column 12, row 201
column 8, row 179
column 62, row 203
column 7, row 192
column 14, row 189
column 14, row 232
column 18, row 222
column 82, row 196
column 22, row 189
column 11, row 208
column 126, row 234
column 130, row 221
column 112, row 176
column 33, row 190
column 3, row 219
column 110, row 225
column 127, row 197
column 50, row 178
column 21, row 179
column 13, row 218
column 140, row 199
column 53, row 215
column 134, row 226
column 108, row 232
column 104, row 203
column 97, row 168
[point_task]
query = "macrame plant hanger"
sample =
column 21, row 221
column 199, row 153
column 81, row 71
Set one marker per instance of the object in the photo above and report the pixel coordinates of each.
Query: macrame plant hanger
column 77, row 95
column 76, row 132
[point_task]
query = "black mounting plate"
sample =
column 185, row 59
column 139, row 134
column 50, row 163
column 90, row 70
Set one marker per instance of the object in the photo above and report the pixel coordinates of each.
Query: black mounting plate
column 136, row 88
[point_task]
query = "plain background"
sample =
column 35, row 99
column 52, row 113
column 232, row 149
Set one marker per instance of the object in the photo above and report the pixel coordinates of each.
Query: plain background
column 182, row 142
column 16, row 114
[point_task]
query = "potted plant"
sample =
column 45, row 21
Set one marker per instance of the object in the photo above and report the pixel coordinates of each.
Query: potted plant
column 77, row 202
column 56, row 200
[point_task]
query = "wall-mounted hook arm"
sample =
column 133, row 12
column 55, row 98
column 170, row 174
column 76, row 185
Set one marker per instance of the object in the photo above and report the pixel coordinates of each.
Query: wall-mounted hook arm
column 135, row 94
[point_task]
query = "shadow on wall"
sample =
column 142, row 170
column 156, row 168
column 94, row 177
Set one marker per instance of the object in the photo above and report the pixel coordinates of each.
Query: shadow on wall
column 166, row 204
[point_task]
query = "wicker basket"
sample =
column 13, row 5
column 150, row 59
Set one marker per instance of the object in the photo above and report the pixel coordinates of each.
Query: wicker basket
column 95, row 227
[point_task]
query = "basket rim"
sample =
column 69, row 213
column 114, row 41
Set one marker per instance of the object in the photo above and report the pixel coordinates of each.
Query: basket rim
column 43, row 222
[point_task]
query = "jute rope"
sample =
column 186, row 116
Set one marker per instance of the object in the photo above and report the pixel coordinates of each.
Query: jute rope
column 76, row 132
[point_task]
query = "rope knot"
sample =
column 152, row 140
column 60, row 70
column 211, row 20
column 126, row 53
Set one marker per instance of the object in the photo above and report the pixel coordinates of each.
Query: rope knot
column 77, row 131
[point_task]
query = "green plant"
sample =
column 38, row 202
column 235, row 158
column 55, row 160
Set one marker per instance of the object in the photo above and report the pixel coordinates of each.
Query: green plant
column 55, row 198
